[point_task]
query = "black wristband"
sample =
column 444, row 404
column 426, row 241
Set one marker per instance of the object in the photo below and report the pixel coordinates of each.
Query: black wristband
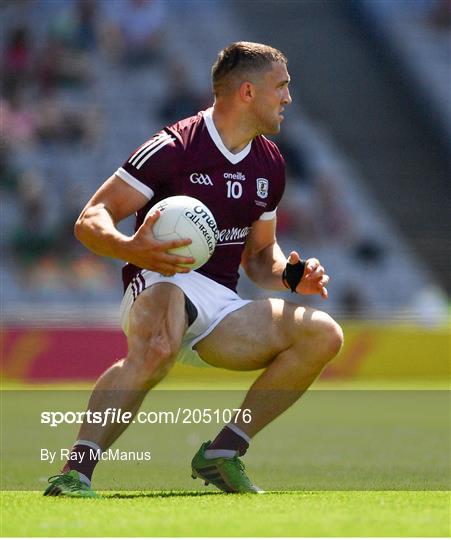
column 293, row 274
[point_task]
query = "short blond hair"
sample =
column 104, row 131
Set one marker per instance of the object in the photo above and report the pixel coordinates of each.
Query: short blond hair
column 241, row 58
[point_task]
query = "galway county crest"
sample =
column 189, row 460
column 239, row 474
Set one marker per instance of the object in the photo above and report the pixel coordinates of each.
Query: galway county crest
column 262, row 187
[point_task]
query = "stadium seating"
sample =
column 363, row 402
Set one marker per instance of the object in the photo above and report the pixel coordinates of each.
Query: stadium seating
column 123, row 105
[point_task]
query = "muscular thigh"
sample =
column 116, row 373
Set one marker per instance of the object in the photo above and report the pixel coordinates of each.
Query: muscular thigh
column 252, row 336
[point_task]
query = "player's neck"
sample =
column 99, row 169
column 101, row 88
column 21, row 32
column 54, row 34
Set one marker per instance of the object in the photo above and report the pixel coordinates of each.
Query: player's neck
column 234, row 133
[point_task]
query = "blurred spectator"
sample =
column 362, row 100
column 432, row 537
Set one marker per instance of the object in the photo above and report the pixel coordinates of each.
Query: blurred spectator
column 17, row 59
column 33, row 239
column 72, row 33
column 9, row 175
column 86, row 30
column 72, row 203
column 295, row 214
column 352, row 301
column 296, row 163
column 75, row 25
column 61, row 65
column 48, row 120
column 45, row 275
column 132, row 30
column 315, row 213
column 18, row 120
column 86, row 272
column 58, row 121
column 331, row 216
column 369, row 251
column 182, row 100
column 90, row 273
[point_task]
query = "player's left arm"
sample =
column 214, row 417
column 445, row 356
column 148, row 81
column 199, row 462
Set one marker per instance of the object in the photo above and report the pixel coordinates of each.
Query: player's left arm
column 264, row 262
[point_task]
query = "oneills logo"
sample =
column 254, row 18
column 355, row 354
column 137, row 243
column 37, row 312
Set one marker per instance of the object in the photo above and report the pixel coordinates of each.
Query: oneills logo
column 234, row 176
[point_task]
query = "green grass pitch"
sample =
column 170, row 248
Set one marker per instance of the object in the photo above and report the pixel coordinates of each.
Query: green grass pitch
column 339, row 463
column 186, row 513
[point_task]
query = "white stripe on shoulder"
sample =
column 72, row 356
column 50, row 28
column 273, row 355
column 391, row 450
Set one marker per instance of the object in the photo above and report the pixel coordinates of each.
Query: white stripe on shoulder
column 153, row 151
column 148, row 145
column 134, row 183
column 267, row 216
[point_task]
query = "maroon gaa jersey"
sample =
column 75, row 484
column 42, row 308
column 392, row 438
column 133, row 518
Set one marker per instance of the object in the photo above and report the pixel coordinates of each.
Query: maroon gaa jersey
column 189, row 158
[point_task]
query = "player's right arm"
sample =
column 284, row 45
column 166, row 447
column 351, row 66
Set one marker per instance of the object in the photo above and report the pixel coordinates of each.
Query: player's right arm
column 96, row 228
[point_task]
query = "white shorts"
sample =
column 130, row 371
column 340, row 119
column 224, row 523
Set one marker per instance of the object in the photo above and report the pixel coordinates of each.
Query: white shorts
column 211, row 300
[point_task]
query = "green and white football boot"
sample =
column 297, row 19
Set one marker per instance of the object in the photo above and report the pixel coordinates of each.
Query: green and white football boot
column 227, row 474
column 69, row 485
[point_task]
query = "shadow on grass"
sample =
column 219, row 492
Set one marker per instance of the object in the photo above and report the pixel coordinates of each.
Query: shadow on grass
column 157, row 494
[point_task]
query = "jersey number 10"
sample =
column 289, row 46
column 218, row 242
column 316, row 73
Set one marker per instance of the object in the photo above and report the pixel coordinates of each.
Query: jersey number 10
column 234, row 189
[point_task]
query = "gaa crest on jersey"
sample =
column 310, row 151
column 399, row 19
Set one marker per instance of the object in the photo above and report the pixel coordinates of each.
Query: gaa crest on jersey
column 262, row 187
column 199, row 178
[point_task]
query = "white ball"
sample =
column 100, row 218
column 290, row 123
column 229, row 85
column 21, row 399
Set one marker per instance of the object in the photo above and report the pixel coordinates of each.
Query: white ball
column 186, row 217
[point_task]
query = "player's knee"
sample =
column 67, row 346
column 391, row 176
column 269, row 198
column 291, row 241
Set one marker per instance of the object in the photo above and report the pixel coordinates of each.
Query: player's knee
column 329, row 340
column 335, row 338
column 160, row 354
column 156, row 360
column 323, row 339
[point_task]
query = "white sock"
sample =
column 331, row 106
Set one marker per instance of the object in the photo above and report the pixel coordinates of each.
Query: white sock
column 211, row 454
column 239, row 432
column 91, row 444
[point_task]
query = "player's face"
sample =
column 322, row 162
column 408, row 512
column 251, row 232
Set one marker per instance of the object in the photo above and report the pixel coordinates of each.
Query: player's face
column 271, row 96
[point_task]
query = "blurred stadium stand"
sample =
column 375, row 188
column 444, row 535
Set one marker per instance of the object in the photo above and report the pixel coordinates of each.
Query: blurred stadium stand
column 80, row 91
column 412, row 40
column 418, row 34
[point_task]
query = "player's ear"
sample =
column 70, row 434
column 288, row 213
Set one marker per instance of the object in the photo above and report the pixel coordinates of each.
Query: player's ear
column 247, row 91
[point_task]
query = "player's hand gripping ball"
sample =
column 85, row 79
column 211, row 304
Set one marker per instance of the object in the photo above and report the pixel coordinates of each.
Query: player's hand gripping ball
column 186, row 217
